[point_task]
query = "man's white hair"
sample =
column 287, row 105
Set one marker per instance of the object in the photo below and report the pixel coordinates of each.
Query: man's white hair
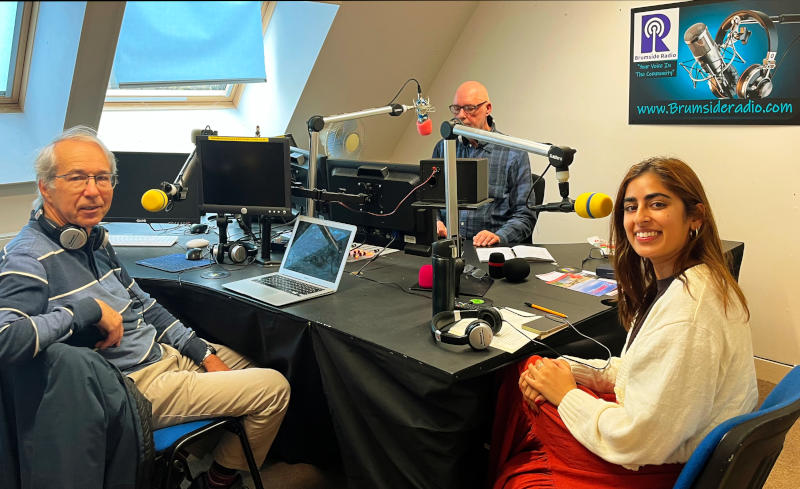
column 45, row 163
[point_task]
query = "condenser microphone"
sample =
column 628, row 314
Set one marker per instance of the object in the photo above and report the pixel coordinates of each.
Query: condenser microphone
column 423, row 107
column 705, row 50
column 589, row 205
column 496, row 262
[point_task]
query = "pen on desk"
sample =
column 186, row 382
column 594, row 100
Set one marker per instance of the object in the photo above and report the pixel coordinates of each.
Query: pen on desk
column 548, row 311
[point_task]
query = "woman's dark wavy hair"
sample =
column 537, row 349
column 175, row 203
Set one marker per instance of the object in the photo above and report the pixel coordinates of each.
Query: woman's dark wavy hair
column 635, row 275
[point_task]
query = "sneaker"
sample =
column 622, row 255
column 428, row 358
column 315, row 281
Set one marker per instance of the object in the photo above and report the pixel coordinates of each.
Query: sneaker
column 201, row 482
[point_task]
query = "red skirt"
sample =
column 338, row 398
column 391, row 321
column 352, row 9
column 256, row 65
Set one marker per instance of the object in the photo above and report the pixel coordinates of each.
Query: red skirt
column 536, row 450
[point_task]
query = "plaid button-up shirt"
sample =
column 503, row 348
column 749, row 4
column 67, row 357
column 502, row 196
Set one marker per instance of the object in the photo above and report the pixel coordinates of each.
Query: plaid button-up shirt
column 508, row 215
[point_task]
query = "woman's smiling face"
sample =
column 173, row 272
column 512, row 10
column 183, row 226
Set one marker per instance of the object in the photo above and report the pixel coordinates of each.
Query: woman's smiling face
column 656, row 222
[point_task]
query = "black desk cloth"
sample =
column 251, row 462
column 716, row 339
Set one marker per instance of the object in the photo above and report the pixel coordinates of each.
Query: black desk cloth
column 370, row 388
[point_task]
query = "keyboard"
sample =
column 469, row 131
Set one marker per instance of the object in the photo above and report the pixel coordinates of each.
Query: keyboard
column 290, row 285
column 142, row 240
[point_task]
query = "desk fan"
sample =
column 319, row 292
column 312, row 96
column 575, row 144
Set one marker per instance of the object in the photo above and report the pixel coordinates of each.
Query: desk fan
column 343, row 140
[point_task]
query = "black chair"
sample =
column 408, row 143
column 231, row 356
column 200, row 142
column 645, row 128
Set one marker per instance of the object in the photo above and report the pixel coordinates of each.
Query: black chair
column 538, row 198
column 538, row 189
column 171, row 456
column 740, row 452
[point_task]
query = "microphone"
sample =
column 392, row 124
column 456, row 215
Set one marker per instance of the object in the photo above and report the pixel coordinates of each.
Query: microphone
column 589, row 205
column 516, row 269
column 496, row 263
column 722, row 78
column 157, row 199
column 422, row 106
column 426, row 276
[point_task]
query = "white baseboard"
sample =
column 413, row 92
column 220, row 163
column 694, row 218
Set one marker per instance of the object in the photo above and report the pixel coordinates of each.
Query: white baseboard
column 770, row 371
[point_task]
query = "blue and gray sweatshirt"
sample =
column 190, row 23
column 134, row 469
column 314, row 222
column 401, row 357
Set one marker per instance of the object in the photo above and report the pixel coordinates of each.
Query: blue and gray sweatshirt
column 47, row 295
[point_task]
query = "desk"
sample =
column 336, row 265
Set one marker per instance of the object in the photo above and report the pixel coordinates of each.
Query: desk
column 367, row 379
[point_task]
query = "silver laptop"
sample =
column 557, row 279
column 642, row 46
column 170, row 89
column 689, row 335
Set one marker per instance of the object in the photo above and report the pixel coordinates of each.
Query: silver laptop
column 312, row 265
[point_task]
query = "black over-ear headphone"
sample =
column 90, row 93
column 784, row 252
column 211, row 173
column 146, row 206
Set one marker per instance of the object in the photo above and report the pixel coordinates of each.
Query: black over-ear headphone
column 756, row 80
column 479, row 333
column 237, row 251
column 70, row 236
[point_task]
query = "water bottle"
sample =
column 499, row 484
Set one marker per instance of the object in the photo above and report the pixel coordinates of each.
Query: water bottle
column 444, row 253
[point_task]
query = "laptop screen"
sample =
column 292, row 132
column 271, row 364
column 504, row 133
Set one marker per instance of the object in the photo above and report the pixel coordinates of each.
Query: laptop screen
column 318, row 251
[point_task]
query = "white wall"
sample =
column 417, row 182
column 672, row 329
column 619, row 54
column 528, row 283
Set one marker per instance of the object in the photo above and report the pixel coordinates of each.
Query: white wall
column 55, row 47
column 557, row 72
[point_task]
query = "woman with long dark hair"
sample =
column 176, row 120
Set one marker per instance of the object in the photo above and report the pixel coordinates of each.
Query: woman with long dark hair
column 632, row 421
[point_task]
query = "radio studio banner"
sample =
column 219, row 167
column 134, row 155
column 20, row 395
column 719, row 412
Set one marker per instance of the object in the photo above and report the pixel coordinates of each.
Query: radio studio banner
column 716, row 62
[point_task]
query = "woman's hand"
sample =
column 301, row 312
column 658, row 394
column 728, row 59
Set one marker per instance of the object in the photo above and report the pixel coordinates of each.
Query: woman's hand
column 530, row 395
column 551, row 379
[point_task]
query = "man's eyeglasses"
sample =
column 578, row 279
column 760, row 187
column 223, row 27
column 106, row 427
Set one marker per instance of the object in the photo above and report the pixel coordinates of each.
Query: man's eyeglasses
column 469, row 109
column 79, row 181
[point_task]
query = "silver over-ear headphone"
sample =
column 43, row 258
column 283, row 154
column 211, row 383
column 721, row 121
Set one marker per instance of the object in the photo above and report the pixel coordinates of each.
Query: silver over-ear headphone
column 478, row 334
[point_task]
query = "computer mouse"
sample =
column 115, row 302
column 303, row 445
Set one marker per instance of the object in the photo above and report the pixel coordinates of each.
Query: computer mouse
column 197, row 243
column 198, row 228
column 194, row 254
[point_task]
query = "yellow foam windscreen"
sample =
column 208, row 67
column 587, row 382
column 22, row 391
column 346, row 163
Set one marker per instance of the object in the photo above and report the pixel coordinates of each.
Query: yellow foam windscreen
column 154, row 200
column 593, row 205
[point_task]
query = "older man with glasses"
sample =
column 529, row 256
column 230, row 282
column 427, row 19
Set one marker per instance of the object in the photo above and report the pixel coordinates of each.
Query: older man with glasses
column 507, row 219
column 60, row 281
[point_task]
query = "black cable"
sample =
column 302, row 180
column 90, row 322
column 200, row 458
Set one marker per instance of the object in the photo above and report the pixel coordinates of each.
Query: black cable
column 407, row 291
column 376, row 255
column 562, row 321
column 376, row 214
column 528, row 198
column 419, row 89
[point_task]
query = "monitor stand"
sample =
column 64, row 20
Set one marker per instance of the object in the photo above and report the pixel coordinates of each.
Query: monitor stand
column 264, row 256
column 222, row 227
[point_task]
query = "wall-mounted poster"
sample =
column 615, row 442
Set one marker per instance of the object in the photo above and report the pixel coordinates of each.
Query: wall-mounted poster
column 716, row 62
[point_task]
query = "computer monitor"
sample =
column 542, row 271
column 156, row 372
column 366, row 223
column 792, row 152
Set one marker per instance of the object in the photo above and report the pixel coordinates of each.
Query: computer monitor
column 139, row 172
column 386, row 184
column 243, row 175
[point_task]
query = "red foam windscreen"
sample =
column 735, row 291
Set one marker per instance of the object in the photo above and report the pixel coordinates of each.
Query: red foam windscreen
column 426, row 276
column 425, row 128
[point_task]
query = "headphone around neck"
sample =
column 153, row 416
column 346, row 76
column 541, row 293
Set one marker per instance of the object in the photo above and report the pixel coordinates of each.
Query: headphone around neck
column 479, row 333
column 70, row 236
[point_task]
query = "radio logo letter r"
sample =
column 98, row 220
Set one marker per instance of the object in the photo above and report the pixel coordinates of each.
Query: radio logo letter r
column 654, row 29
column 655, row 35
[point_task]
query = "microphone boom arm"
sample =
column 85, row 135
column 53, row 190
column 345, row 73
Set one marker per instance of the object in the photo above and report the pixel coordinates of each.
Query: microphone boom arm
column 560, row 157
column 317, row 123
column 177, row 187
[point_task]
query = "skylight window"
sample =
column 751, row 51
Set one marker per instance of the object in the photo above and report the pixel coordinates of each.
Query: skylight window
column 15, row 28
column 187, row 52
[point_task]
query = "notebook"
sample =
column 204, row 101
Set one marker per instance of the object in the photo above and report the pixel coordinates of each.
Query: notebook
column 530, row 253
column 311, row 267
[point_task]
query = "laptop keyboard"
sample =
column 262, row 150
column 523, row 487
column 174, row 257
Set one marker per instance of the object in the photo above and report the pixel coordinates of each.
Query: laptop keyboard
column 290, row 285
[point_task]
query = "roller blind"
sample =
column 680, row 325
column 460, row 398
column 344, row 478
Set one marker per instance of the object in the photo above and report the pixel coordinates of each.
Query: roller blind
column 190, row 43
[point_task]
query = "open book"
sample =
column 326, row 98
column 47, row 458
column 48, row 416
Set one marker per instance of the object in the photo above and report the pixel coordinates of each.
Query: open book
column 530, row 253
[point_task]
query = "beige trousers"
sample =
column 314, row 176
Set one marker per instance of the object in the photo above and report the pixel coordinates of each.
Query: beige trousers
column 181, row 391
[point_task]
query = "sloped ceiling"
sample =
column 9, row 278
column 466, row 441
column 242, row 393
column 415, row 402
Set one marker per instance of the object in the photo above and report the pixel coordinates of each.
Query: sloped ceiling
column 372, row 48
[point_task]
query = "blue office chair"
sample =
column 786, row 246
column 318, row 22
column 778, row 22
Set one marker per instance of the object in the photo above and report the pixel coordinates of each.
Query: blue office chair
column 171, row 458
column 740, row 452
